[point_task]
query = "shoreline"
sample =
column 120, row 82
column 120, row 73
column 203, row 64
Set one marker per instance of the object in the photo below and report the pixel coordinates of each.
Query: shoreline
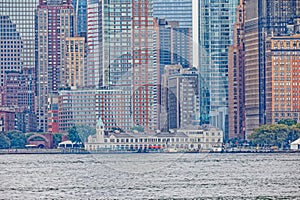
column 59, row 151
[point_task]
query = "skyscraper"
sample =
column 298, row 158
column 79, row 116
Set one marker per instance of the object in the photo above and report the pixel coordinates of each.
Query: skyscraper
column 174, row 10
column 54, row 23
column 22, row 14
column 181, row 12
column 80, row 10
column 121, row 54
column 95, row 70
column 236, row 86
column 74, row 62
column 262, row 20
column 282, row 78
column 212, row 34
column 17, row 42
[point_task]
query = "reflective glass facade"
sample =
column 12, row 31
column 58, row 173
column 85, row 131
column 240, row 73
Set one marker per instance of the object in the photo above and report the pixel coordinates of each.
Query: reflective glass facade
column 80, row 9
column 21, row 13
column 215, row 34
column 174, row 10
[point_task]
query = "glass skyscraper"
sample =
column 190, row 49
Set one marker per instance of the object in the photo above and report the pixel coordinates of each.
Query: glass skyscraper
column 22, row 14
column 174, row 10
column 18, row 19
column 80, row 10
column 181, row 12
column 213, row 33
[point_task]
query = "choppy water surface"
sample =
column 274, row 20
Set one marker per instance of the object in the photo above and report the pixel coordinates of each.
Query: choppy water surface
column 156, row 176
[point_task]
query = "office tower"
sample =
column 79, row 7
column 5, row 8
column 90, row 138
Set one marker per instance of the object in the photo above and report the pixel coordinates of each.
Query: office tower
column 174, row 44
column 174, row 10
column 121, row 54
column 17, row 42
column 282, row 78
column 181, row 12
column 95, row 70
column 11, row 47
column 236, row 98
column 180, row 94
column 262, row 20
column 212, row 35
column 54, row 23
column 74, row 62
column 182, row 46
column 164, row 42
column 21, row 15
column 144, row 79
column 80, row 13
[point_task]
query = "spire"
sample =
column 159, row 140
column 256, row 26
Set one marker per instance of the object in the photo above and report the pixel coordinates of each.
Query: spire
column 100, row 124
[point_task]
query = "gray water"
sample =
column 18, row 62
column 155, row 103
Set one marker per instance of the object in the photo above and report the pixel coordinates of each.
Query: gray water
column 155, row 176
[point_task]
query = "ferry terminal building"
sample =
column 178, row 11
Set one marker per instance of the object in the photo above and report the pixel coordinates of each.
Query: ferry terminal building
column 180, row 140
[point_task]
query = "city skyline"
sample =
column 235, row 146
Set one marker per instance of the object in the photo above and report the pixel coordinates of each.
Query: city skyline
column 65, row 47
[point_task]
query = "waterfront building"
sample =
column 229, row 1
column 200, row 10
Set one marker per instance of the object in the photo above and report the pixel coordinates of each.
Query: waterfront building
column 182, row 140
column 263, row 19
column 74, row 74
column 236, row 98
column 84, row 107
column 282, row 78
column 54, row 23
column 212, row 35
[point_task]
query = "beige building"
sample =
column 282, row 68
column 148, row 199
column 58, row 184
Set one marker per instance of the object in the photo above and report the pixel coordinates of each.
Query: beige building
column 74, row 73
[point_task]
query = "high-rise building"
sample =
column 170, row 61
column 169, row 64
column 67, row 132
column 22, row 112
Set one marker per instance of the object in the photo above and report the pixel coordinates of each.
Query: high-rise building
column 121, row 54
column 80, row 10
column 282, row 78
column 174, row 44
column 262, row 20
column 11, row 47
column 174, row 10
column 236, row 99
column 74, row 76
column 54, row 23
column 181, row 12
column 17, row 42
column 180, row 97
column 212, row 35
column 95, row 70
column 144, row 69
column 21, row 15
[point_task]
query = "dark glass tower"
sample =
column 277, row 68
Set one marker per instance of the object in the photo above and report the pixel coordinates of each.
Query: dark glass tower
column 80, row 10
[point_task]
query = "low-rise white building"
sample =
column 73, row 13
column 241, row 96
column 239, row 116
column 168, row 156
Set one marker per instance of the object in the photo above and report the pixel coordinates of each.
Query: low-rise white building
column 181, row 140
column 295, row 145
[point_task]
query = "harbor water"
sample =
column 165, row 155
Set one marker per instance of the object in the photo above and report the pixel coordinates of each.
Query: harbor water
column 150, row 176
